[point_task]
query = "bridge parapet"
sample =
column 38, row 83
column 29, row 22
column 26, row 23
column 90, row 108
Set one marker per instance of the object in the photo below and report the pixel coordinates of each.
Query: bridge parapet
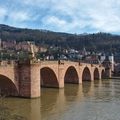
column 48, row 62
column 85, row 64
column 8, row 63
column 70, row 63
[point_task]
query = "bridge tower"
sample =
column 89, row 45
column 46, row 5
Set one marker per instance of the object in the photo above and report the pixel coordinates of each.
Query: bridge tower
column 108, row 67
column 32, row 50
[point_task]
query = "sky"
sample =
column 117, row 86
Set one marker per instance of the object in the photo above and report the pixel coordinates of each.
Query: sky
column 71, row 16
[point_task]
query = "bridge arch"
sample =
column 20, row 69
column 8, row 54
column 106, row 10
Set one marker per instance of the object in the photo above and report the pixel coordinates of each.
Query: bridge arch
column 48, row 77
column 7, row 86
column 86, row 74
column 96, row 74
column 71, row 75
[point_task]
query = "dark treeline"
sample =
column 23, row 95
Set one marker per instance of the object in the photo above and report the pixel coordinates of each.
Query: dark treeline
column 93, row 42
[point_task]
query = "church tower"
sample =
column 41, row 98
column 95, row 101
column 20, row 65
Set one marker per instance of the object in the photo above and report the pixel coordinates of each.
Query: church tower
column 111, row 59
column 0, row 44
column 102, row 58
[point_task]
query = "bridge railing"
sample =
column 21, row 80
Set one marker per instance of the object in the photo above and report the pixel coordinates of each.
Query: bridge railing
column 60, row 62
column 7, row 62
column 65, row 62
column 48, row 62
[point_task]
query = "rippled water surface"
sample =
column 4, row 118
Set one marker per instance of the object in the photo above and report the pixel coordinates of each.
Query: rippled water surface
column 98, row 100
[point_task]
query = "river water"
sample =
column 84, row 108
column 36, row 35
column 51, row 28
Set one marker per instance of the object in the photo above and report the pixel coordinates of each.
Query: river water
column 98, row 100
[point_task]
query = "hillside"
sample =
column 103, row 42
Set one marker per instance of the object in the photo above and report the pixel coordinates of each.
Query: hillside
column 97, row 42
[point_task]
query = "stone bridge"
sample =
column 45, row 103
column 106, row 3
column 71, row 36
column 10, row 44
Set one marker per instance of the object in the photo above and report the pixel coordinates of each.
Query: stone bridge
column 25, row 79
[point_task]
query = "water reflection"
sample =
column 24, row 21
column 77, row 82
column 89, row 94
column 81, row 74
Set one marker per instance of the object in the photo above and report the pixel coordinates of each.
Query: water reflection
column 97, row 83
column 35, row 111
column 52, row 103
column 116, row 88
column 98, row 100
column 86, row 87
column 24, row 107
column 71, row 91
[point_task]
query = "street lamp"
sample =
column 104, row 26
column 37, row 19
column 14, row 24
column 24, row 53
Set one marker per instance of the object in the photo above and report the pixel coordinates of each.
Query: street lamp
column 1, row 54
column 18, row 55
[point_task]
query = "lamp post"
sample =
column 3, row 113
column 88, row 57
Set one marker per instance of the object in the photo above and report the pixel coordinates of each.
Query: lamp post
column 10, row 56
column 1, row 54
column 18, row 55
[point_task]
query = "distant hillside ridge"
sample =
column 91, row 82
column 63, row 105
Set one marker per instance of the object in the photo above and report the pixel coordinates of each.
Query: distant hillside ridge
column 93, row 42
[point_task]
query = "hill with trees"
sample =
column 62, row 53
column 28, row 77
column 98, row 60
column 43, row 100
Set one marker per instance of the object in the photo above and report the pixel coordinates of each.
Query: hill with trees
column 93, row 42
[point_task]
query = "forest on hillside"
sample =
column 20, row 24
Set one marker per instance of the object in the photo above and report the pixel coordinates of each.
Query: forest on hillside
column 103, row 42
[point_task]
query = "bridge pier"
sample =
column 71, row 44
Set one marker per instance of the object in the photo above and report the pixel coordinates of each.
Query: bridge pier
column 60, row 76
column 108, row 73
column 35, row 81
column 29, row 80
column 80, row 76
column 100, row 77
column 92, row 77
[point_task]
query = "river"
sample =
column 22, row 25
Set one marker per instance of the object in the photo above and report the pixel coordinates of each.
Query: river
column 98, row 100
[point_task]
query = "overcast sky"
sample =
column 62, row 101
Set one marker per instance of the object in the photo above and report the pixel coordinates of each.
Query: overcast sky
column 74, row 16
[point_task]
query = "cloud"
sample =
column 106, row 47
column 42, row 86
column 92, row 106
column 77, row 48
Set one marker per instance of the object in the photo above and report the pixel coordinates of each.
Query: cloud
column 2, row 13
column 64, row 15
column 56, row 21
column 106, row 17
column 19, row 16
column 107, row 23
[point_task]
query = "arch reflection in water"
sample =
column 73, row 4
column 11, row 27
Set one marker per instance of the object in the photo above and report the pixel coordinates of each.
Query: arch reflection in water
column 103, row 74
column 102, row 90
column 52, row 103
column 106, row 83
column 97, row 83
column 116, row 88
column 73, row 92
column 7, row 87
column 96, row 74
column 87, row 88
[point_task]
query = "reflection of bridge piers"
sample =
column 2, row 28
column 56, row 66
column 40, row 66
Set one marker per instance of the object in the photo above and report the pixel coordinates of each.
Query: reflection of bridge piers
column 25, row 78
